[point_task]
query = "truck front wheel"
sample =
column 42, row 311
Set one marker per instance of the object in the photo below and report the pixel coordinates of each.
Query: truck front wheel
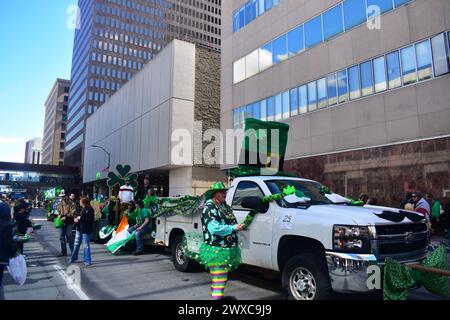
column 305, row 278
column 180, row 261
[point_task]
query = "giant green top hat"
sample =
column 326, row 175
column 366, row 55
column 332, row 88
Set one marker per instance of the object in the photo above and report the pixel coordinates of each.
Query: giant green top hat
column 216, row 186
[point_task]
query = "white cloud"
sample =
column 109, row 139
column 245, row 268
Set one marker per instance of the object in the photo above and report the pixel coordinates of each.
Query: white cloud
column 12, row 158
column 11, row 140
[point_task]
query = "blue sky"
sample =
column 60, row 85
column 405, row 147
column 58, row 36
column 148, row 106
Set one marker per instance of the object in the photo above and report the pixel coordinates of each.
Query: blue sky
column 36, row 48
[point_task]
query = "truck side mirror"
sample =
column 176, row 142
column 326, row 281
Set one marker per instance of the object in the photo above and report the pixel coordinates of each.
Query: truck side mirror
column 255, row 203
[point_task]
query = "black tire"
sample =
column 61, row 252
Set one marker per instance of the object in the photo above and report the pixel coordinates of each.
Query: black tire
column 180, row 261
column 309, row 271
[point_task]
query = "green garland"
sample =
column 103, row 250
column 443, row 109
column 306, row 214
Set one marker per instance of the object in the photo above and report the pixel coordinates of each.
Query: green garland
column 243, row 171
column 184, row 206
column 399, row 279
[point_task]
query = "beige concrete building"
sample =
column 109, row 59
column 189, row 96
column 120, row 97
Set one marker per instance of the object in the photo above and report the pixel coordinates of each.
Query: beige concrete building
column 55, row 123
column 33, row 151
column 364, row 85
column 173, row 91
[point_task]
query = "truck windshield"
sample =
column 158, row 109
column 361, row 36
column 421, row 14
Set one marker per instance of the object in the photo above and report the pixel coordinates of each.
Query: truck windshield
column 309, row 188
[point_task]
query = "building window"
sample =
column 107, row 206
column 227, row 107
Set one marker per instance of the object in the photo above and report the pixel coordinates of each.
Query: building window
column 343, row 86
column 312, row 96
column 265, row 57
column 400, row 2
column 332, row 89
column 333, row 23
column 354, row 13
column 263, row 109
column 294, row 102
column 313, row 32
column 379, row 74
column 279, row 49
column 278, row 107
column 271, row 109
column 441, row 65
column 366, row 78
column 423, row 59
column 393, row 65
column 354, row 83
column 295, row 41
column 382, row 5
column 256, row 111
column 239, row 70
column 303, row 99
column 322, row 93
column 251, row 64
column 408, row 65
column 286, row 105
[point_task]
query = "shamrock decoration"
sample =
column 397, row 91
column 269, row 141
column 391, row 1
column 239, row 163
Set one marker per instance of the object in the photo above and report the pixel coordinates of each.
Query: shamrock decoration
column 288, row 190
column 122, row 177
column 324, row 190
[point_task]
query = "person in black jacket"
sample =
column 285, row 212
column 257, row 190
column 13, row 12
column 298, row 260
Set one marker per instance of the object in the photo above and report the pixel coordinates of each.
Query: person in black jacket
column 7, row 244
column 23, row 224
column 85, row 228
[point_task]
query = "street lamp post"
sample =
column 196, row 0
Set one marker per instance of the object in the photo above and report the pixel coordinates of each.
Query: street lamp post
column 109, row 160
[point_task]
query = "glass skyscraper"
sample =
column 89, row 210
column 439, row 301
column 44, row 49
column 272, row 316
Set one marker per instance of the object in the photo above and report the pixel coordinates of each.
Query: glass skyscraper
column 116, row 38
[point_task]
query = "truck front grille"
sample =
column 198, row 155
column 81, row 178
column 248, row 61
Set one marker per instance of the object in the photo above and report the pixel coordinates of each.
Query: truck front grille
column 401, row 242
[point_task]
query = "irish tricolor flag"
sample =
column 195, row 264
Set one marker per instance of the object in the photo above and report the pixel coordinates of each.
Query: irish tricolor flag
column 120, row 237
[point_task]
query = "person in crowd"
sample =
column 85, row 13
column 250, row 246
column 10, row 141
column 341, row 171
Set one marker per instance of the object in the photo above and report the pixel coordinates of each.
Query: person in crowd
column 436, row 209
column 126, row 193
column 220, row 251
column 446, row 220
column 67, row 212
column 421, row 205
column 132, row 213
column 408, row 199
column 143, row 226
column 145, row 189
column 23, row 224
column 113, row 202
column 85, row 228
column 7, row 244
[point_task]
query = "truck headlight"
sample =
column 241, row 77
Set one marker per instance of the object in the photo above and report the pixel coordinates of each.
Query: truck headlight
column 351, row 239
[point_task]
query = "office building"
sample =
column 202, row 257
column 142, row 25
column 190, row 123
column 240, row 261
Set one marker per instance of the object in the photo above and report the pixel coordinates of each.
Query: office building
column 33, row 150
column 116, row 38
column 363, row 85
column 55, row 126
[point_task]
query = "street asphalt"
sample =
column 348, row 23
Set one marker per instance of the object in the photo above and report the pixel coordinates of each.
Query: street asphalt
column 125, row 277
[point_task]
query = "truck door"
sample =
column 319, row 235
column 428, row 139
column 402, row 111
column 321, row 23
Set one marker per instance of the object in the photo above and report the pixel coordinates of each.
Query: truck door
column 257, row 240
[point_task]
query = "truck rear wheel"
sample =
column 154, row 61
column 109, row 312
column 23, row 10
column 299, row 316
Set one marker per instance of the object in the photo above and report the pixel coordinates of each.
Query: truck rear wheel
column 305, row 277
column 180, row 261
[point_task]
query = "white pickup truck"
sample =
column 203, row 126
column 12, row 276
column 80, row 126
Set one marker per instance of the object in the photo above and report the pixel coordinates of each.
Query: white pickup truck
column 319, row 246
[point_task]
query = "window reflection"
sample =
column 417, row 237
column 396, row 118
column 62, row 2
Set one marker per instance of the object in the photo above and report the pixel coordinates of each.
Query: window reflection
column 294, row 102
column 271, row 109
column 342, row 86
column 333, row 22
column 312, row 96
column 295, row 41
column 353, row 82
column 423, row 57
column 278, row 107
column 332, row 89
column 366, row 78
column 251, row 64
column 313, row 32
column 383, row 6
column 303, row 99
column 263, row 109
column 265, row 57
column 441, row 65
column 408, row 65
column 393, row 65
column 279, row 49
column 239, row 70
column 379, row 74
column 354, row 13
column 286, row 105
column 322, row 93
